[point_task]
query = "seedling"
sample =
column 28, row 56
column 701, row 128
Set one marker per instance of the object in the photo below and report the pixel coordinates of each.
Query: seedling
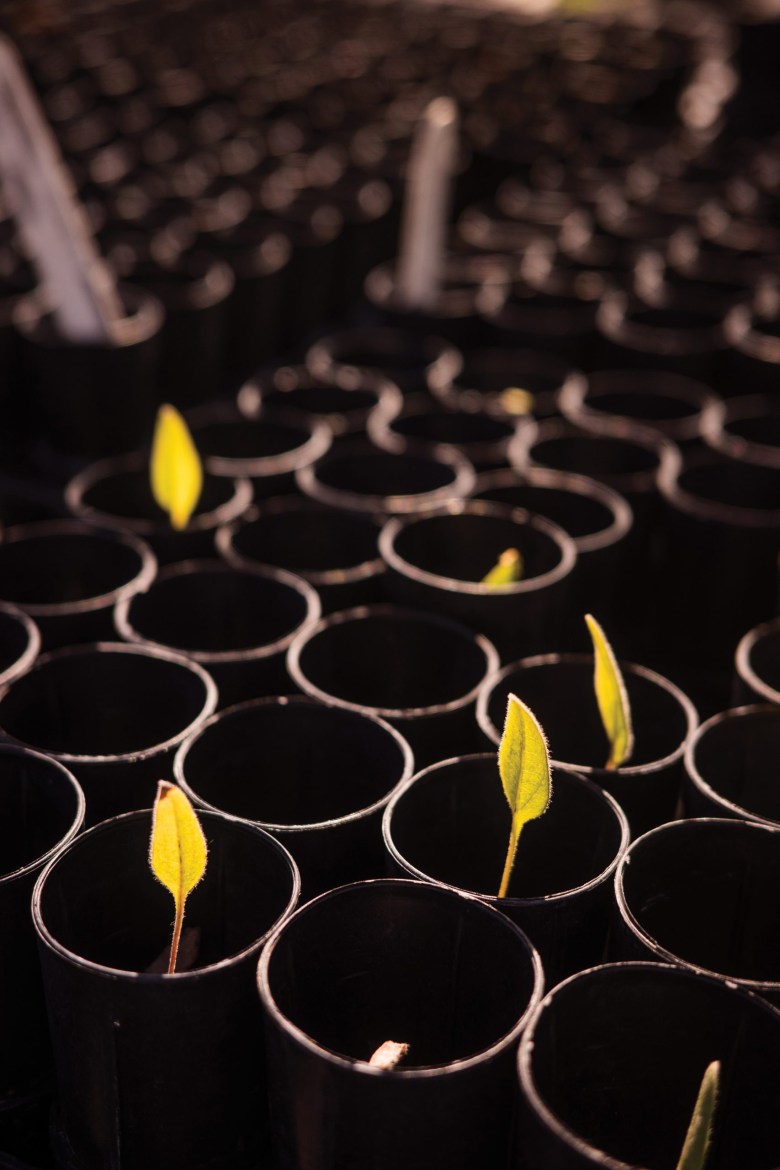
column 611, row 696
column 176, row 471
column 389, row 1054
column 177, row 852
column 524, row 766
column 699, row 1136
column 507, row 569
column 516, row 401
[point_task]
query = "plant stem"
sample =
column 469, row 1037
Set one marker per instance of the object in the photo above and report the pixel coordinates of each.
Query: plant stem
column 177, row 925
column 509, row 864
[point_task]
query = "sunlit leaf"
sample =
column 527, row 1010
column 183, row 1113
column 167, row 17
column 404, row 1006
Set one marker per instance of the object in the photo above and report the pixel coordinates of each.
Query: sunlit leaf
column 507, row 569
column 176, row 472
column 516, row 401
column 611, row 696
column 699, row 1136
column 177, row 852
column 524, row 766
column 389, row 1054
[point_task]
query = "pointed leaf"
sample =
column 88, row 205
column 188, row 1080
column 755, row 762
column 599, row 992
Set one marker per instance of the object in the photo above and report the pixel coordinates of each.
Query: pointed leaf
column 612, row 697
column 176, row 472
column 507, row 569
column 389, row 1054
column 524, row 766
column 699, row 1136
column 177, row 852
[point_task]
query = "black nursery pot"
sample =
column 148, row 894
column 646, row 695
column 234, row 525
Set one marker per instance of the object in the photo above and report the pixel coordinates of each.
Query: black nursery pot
column 113, row 714
column 450, row 825
column 704, row 894
column 491, row 379
column 663, row 401
column 406, row 358
column 90, row 401
column 404, row 961
column 361, row 478
column 610, row 1066
column 116, row 494
column 335, row 551
column 266, row 447
column 236, row 622
column 747, row 427
column 730, row 766
column 152, row 1069
column 68, row 576
column 317, row 777
column 20, row 641
column 757, row 662
column 559, row 690
column 419, row 671
column 42, row 809
column 343, row 400
column 436, row 561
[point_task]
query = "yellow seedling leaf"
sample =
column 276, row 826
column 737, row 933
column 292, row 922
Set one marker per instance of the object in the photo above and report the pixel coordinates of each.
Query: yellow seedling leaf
column 507, row 569
column 176, row 472
column 611, row 696
column 177, row 852
column 524, row 766
column 514, row 400
column 699, row 1136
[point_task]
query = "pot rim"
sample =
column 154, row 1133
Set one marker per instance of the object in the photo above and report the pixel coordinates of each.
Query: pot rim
column 446, row 359
column 393, row 559
column 730, row 824
column 313, row 446
column 127, row 631
column 702, row 508
column 493, row 899
column 577, row 400
column 614, row 321
column 362, row 1067
column 386, row 609
column 699, row 781
column 292, row 700
column 29, row 655
column 250, row 399
column 209, row 702
column 715, row 432
column 742, row 661
column 148, row 977
column 40, row 529
column 81, row 805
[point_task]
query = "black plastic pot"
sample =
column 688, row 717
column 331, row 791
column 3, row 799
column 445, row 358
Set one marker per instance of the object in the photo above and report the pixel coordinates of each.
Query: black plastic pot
column 317, row 777
column 20, row 642
column 116, row 494
column 610, row 1066
column 437, row 561
column 408, row 962
column 729, row 762
column 42, row 809
column 158, row 1070
column 754, row 353
column 520, row 313
column 67, row 576
column 407, row 359
column 757, row 662
column 662, row 401
column 419, row 671
column 490, row 377
column 335, row 551
column 266, row 446
column 343, row 399
column 559, row 690
column 111, row 713
column 747, row 427
column 703, row 894
column 70, row 404
column 360, row 478
column 236, row 622
column 450, row 825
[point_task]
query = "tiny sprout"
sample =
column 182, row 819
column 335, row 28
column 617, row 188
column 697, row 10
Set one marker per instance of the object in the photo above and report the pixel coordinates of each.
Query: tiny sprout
column 516, row 401
column 699, row 1136
column 177, row 852
column 389, row 1054
column 175, row 470
column 507, row 569
column 611, row 696
column 524, row 766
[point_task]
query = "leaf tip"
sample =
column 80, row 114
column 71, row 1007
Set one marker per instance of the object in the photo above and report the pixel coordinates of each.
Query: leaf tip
column 176, row 473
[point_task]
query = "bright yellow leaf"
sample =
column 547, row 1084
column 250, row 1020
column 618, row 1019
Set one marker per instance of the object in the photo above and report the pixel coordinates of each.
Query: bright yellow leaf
column 507, row 569
column 611, row 696
column 699, row 1136
column 176, row 472
column 177, row 851
column 524, row 766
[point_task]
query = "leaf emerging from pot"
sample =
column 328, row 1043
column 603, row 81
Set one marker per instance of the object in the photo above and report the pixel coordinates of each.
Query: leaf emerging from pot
column 389, row 1054
column 524, row 765
column 699, row 1136
column 507, row 569
column 175, row 472
column 611, row 696
column 177, row 852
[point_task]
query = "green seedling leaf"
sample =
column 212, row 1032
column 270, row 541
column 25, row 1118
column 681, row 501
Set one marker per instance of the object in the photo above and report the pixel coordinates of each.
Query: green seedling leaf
column 177, row 852
column 176, row 473
column 699, row 1136
column 524, row 765
column 389, row 1054
column 507, row 569
column 612, row 697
